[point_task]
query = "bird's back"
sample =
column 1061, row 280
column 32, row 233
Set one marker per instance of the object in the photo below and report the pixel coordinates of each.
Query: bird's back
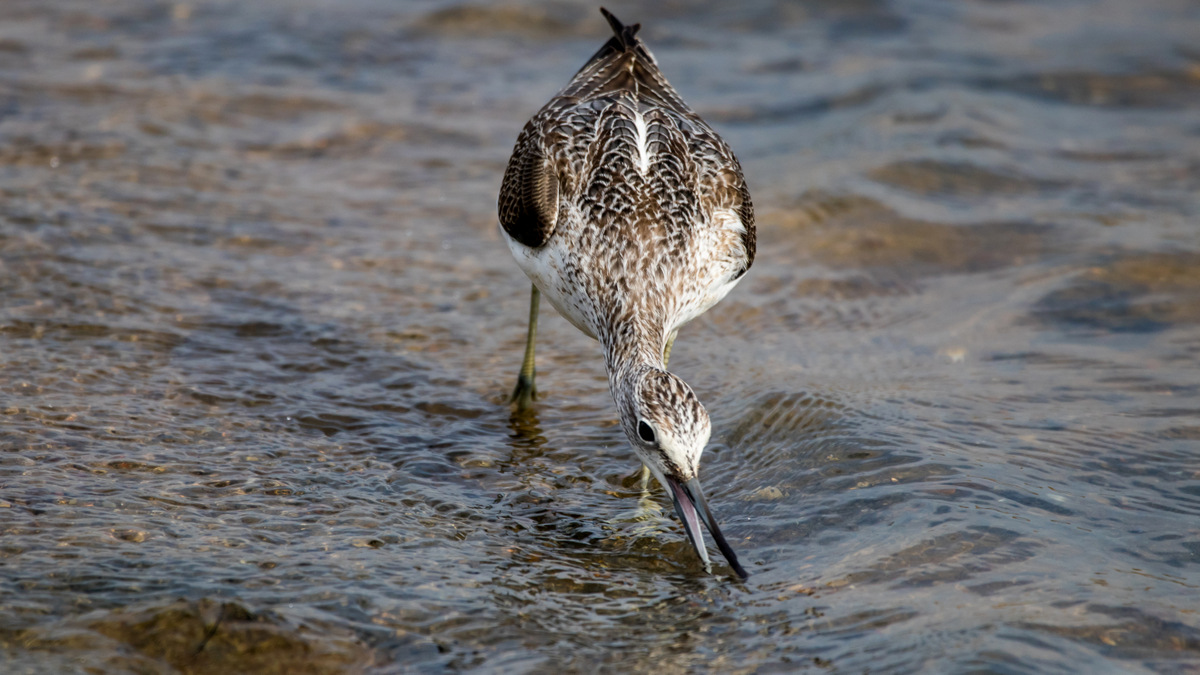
column 648, row 199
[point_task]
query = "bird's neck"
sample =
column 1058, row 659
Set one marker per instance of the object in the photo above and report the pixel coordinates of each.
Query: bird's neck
column 630, row 347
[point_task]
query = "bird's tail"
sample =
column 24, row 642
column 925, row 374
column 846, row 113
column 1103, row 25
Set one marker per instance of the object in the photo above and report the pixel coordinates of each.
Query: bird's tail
column 626, row 35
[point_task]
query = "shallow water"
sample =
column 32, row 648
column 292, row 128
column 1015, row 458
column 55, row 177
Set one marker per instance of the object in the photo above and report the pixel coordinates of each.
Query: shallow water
column 257, row 329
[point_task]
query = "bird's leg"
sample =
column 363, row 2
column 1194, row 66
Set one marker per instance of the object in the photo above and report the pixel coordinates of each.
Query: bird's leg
column 666, row 357
column 526, row 391
column 648, row 513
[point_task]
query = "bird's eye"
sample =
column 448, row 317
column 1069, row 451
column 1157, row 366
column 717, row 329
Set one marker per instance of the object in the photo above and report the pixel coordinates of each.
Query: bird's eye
column 645, row 432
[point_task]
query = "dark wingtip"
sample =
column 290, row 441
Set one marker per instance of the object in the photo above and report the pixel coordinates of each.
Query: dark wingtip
column 626, row 34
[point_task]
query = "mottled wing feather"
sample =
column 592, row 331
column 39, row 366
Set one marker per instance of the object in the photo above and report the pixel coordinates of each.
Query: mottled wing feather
column 725, row 188
column 750, row 236
column 529, row 195
column 582, row 147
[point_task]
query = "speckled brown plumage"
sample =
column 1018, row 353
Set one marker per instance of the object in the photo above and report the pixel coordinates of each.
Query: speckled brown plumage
column 631, row 215
column 655, row 239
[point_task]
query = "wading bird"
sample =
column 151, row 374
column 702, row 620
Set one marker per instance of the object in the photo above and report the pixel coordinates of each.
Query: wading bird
column 632, row 216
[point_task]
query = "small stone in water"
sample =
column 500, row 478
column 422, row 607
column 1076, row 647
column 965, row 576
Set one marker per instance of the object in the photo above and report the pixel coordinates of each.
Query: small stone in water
column 765, row 494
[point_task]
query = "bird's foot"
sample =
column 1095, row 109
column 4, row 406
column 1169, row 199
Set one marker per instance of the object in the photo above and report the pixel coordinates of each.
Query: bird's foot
column 524, row 394
column 648, row 516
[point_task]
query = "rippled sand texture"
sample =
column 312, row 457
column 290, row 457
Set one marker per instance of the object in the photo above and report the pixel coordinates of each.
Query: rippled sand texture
column 257, row 328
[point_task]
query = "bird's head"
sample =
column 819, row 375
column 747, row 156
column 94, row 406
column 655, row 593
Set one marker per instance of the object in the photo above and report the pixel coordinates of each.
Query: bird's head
column 669, row 428
column 666, row 424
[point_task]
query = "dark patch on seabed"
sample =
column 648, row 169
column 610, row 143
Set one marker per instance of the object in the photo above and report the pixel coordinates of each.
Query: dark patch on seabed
column 257, row 328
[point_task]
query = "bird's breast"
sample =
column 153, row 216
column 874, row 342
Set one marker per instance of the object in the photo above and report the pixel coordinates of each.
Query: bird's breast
column 558, row 276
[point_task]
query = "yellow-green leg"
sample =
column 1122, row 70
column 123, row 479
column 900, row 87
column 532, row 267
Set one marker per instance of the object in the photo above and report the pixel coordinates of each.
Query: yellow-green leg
column 526, row 390
column 667, row 351
column 647, row 513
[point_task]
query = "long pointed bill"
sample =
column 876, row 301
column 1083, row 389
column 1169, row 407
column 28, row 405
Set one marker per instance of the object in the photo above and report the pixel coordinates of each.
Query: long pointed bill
column 690, row 503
